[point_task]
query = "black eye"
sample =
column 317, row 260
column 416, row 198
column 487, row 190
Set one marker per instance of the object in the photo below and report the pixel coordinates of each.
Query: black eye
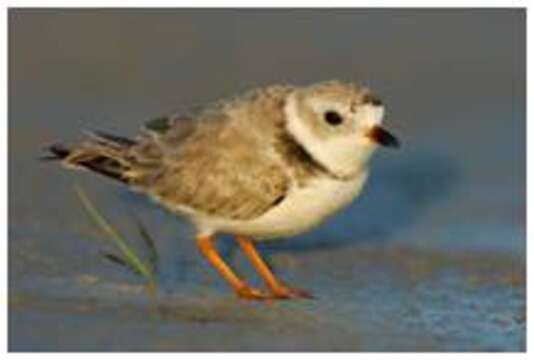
column 333, row 118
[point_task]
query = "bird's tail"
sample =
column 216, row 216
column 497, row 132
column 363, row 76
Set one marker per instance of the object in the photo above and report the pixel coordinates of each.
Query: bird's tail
column 102, row 153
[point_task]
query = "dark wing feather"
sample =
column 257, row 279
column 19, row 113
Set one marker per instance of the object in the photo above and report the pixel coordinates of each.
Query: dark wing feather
column 159, row 125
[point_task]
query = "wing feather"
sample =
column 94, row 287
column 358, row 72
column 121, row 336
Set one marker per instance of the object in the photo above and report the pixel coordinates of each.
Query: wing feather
column 213, row 167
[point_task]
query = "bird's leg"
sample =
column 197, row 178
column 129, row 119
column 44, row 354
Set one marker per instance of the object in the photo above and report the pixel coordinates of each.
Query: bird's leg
column 278, row 289
column 242, row 289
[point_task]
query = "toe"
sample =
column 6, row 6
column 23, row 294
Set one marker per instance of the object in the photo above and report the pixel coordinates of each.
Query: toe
column 251, row 293
column 291, row 293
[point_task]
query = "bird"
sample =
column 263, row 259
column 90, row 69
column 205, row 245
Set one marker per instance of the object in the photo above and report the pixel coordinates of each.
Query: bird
column 270, row 163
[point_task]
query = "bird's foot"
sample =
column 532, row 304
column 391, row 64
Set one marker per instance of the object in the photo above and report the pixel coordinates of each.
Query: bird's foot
column 285, row 292
column 250, row 293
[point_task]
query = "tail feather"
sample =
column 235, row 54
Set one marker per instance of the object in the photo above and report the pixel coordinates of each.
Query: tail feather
column 105, row 166
column 103, row 153
column 57, row 152
column 111, row 139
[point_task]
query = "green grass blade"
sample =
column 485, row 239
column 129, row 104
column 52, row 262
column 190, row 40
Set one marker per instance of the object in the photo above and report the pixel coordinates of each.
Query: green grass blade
column 150, row 243
column 118, row 261
column 117, row 239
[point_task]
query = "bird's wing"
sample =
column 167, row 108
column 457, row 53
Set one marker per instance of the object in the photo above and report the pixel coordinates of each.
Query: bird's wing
column 214, row 167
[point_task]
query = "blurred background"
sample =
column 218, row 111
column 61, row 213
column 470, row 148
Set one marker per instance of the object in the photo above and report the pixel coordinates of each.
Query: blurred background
column 431, row 257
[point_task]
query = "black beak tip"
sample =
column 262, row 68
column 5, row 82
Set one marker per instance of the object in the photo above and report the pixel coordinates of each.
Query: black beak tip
column 384, row 138
column 395, row 144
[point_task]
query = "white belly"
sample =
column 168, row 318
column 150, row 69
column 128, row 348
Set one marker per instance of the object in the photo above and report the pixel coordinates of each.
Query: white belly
column 301, row 210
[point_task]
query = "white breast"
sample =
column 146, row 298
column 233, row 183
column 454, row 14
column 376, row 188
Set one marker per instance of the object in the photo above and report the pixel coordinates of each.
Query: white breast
column 301, row 210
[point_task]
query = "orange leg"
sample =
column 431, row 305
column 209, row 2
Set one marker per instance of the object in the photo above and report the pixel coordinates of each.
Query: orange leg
column 278, row 289
column 242, row 289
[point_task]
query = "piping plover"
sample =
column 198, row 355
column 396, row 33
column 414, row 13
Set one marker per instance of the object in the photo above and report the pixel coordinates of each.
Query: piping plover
column 271, row 163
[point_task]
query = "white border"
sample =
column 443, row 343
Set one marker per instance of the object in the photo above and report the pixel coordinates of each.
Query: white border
column 271, row 3
column 276, row 3
column 530, row 216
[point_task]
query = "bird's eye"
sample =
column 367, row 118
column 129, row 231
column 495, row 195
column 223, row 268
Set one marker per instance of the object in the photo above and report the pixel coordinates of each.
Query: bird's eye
column 333, row 118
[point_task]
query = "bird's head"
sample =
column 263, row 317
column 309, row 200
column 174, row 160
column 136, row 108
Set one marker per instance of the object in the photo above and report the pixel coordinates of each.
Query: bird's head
column 339, row 124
